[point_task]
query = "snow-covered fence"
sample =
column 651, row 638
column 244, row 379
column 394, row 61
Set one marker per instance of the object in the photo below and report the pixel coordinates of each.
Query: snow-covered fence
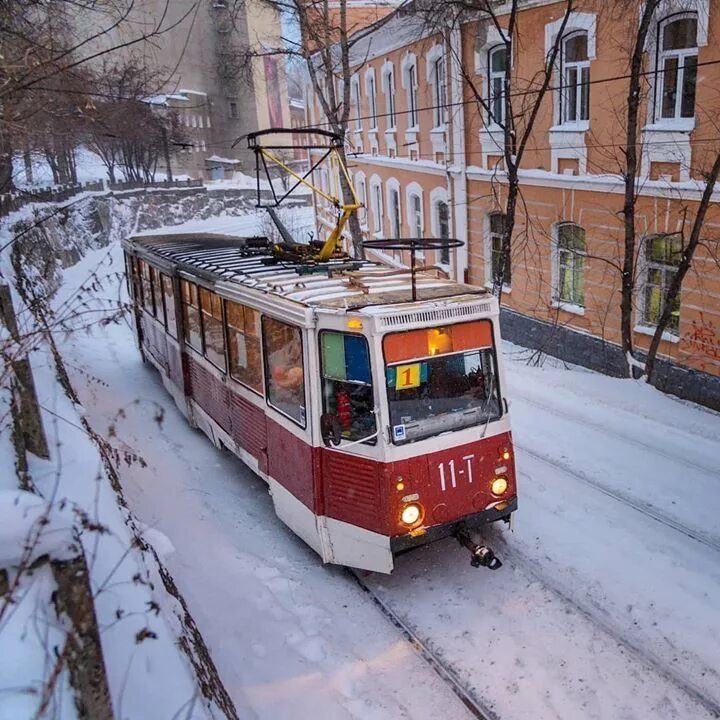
column 116, row 186
column 10, row 202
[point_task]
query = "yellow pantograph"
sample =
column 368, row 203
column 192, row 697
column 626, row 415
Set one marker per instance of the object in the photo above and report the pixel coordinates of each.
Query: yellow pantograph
column 345, row 209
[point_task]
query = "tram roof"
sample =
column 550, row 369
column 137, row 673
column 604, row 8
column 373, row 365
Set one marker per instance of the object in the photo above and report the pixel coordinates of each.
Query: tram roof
column 249, row 263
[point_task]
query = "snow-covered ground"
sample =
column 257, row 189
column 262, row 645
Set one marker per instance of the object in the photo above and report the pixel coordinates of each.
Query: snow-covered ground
column 607, row 605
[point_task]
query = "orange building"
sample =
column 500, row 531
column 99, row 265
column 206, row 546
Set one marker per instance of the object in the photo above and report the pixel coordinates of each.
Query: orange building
column 427, row 162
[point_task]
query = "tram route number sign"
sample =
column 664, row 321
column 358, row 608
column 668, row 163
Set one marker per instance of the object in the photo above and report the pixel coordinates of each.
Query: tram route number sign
column 407, row 376
column 450, row 475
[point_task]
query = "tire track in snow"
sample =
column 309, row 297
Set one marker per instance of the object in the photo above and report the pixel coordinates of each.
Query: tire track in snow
column 446, row 673
column 612, row 433
column 646, row 509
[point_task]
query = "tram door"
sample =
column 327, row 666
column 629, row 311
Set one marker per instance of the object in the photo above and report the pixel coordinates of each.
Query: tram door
column 350, row 471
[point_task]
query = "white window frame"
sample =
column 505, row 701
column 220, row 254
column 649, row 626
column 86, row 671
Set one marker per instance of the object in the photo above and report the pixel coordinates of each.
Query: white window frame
column 489, row 235
column 439, row 104
column 393, row 186
column 388, row 87
column 557, row 301
column 415, row 221
column 579, row 66
column 361, row 190
column 371, row 92
column 376, row 202
column 356, row 101
column 438, row 196
column 410, row 84
column 576, row 22
column 681, row 55
column 644, row 267
column 493, row 121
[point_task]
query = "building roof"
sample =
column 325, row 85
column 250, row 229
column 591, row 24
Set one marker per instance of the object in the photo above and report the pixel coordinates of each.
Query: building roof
column 340, row 283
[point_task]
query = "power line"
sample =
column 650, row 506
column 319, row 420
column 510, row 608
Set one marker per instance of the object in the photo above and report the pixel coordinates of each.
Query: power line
column 461, row 103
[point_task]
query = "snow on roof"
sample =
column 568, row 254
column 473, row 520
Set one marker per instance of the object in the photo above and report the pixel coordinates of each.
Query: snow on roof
column 223, row 160
column 341, row 282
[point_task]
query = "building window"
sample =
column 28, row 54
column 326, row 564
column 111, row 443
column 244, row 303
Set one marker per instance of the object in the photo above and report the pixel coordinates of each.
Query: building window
column 570, row 264
column 439, row 92
column 356, row 101
column 443, row 224
column 191, row 314
column 412, row 89
column 362, row 197
column 575, row 78
column 232, row 109
column 394, row 209
column 284, row 370
column 212, row 328
column 497, row 76
column 243, row 334
column 372, row 100
column 497, row 232
column 662, row 257
column 376, row 196
column 416, row 216
column 389, row 89
column 677, row 67
column 347, row 390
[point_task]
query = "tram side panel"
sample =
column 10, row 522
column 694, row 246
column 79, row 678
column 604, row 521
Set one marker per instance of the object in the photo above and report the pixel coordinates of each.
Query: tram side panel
column 249, row 429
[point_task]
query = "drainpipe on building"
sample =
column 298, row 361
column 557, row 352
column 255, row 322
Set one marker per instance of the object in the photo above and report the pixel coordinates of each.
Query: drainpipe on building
column 456, row 172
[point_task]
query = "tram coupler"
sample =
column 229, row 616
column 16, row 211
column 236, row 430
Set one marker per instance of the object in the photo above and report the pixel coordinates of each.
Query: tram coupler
column 480, row 555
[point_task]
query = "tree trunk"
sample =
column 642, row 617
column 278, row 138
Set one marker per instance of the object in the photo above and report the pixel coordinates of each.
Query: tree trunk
column 166, row 152
column 630, row 180
column 7, row 183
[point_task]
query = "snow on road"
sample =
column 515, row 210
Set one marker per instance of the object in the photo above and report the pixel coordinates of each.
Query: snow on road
column 290, row 638
column 606, row 607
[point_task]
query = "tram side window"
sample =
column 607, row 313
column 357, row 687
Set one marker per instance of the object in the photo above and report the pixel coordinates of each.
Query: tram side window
column 129, row 274
column 284, row 372
column 347, row 390
column 243, row 334
column 212, row 327
column 136, row 281
column 191, row 314
column 146, row 284
column 169, row 294
column 157, row 294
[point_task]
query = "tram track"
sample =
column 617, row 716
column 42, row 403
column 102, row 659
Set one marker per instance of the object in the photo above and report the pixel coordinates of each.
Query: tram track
column 593, row 613
column 474, row 705
column 645, row 509
column 686, row 462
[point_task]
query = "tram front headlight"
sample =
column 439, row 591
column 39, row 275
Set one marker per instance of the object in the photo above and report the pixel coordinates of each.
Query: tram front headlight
column 411, row 514
column 499, row 486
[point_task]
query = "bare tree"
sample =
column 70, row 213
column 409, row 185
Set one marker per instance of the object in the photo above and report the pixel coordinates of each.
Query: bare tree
column 326, row 44
column 521, row 99
column 44, row 45
column 707, row 176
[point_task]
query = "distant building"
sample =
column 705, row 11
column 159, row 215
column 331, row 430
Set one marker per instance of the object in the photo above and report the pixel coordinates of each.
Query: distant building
column 218, row 98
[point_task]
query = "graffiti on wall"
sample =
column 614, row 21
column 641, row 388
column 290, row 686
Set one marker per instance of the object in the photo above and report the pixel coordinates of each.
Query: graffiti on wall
column 702, row 342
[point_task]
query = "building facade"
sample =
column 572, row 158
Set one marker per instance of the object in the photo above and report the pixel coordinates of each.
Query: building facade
column 217, row 92
column 427, row 161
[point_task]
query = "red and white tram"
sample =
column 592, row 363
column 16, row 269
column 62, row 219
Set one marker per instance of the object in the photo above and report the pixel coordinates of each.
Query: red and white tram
column 378, row 422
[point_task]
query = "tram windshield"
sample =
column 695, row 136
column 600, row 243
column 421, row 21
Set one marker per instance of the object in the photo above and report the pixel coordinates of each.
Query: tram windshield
column 440, row 380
